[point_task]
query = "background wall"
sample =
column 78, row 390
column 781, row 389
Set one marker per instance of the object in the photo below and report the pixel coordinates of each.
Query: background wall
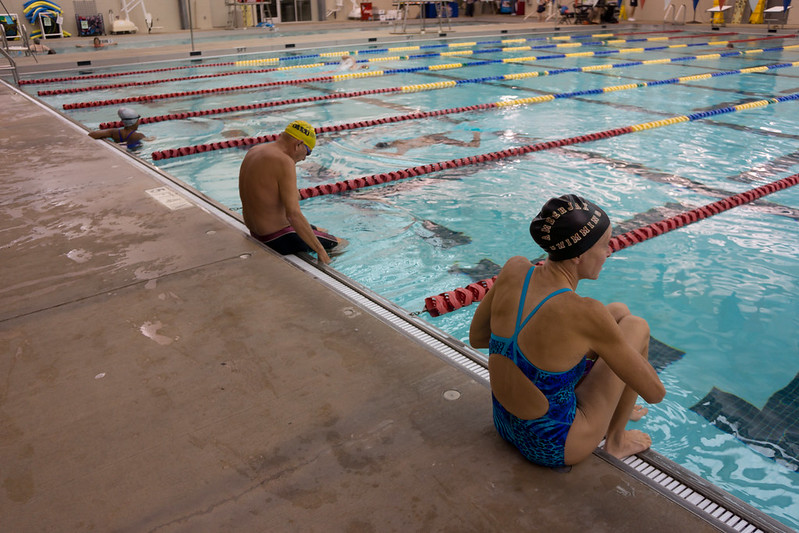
column 208, row 14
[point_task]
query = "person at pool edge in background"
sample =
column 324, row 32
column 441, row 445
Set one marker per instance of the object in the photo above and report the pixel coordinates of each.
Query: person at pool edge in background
column 269, row 197
column 545, row 401
column 128, row 134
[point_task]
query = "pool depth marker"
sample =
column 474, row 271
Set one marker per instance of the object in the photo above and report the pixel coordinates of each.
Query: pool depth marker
column 448, row 301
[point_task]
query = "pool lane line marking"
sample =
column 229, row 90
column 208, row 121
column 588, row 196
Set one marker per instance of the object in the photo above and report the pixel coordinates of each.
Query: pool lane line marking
column 290, row 58
column 371, row 74
column 74, row 90
column 386, row 177
column 453, row 300
column 249, row 141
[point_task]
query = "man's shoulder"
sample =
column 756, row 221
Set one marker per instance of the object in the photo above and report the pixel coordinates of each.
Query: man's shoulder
column 268, row 151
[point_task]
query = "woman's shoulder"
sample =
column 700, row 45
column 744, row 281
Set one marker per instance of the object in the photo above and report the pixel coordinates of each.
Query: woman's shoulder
column 517, row 262
column 516, row 266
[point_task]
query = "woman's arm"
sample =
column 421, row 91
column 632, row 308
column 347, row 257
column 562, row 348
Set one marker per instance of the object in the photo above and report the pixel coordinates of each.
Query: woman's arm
column 607, row 340
column 480, row 330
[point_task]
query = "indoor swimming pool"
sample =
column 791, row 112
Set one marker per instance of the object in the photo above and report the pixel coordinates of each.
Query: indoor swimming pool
column 720, row 295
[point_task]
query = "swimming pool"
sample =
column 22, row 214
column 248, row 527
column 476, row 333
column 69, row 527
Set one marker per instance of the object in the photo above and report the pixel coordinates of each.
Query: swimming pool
column 722, row 293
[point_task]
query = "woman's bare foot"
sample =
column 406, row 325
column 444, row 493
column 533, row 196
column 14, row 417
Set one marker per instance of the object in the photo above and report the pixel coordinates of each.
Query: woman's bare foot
column 638, row 413
column 627, row 443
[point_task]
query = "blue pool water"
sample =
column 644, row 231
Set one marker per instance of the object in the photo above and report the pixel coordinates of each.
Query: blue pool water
column 722, row 292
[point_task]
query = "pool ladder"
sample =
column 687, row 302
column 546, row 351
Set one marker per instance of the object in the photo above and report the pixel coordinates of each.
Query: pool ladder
column 12, row 65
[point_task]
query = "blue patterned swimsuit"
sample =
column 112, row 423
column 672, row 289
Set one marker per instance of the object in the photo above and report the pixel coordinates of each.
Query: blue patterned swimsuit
column 542, row 440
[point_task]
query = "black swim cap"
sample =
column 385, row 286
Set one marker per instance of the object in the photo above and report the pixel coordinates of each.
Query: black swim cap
column 568, row 226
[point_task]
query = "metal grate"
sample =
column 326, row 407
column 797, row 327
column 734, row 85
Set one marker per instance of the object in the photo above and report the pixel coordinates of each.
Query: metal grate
column 85, row 8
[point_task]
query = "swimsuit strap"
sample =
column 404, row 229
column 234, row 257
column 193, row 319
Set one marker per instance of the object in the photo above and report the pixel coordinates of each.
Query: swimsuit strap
column 519, row 323
column 523, row 298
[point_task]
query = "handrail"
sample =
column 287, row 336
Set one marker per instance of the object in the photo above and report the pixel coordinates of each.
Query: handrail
column 12, row 63
column 669, row 9
column 675, row 14
column 679, row 11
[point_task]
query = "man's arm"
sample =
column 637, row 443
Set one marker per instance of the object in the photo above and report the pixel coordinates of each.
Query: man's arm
column 290, row 198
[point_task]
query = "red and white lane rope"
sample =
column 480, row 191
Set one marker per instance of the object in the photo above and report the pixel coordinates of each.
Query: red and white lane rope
column 449, row 301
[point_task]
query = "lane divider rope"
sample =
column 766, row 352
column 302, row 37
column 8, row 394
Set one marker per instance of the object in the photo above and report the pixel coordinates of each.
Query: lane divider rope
column 371, row 74
column 461, row 297
column 74, row 90
column 378, row 179
column 249, row 141
column 440, row 85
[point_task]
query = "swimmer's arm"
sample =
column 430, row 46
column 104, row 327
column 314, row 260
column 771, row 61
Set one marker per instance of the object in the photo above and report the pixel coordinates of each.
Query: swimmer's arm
column 102, row 134
column 289, row 197
column 607, row 340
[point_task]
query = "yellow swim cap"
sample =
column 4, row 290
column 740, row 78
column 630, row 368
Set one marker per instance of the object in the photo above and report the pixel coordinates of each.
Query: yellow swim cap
column 302, row 131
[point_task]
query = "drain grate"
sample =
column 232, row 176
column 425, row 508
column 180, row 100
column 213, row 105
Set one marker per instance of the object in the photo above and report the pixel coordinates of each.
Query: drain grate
column 695, row 494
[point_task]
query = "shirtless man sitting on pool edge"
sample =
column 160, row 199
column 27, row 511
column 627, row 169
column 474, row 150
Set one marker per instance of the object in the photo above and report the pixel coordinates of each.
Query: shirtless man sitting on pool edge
column 269, row 197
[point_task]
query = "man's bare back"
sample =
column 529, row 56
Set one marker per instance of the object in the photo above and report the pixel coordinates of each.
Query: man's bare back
column 263, row 170
column 269, row 197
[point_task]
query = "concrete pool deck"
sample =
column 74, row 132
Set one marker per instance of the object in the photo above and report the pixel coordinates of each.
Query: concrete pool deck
column 164, row 372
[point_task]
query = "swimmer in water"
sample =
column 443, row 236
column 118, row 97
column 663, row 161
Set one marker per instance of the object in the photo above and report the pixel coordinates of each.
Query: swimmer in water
column 403, row 145
column 565, row 370
column 127, row 134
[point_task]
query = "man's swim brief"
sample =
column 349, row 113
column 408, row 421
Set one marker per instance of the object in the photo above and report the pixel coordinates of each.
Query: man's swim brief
column 286, row 241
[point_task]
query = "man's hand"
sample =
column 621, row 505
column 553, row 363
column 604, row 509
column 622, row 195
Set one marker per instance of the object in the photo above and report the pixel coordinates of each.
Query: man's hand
column 323, row 257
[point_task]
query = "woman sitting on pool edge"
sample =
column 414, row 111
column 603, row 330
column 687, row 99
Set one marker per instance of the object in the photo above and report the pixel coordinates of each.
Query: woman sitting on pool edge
column 545, row 401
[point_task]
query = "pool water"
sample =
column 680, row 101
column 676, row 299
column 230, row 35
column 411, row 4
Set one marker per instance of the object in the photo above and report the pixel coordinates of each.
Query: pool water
column 722, row 292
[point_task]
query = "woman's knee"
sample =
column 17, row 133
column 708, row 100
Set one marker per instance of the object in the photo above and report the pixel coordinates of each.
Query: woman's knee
column 636, row 329
column 618, row 310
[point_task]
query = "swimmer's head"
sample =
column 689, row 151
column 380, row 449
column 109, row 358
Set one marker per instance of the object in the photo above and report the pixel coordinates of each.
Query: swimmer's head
column 129, row 117
column 36, row 40
column 381, row 144
column 302, row 131
column 568, row 226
